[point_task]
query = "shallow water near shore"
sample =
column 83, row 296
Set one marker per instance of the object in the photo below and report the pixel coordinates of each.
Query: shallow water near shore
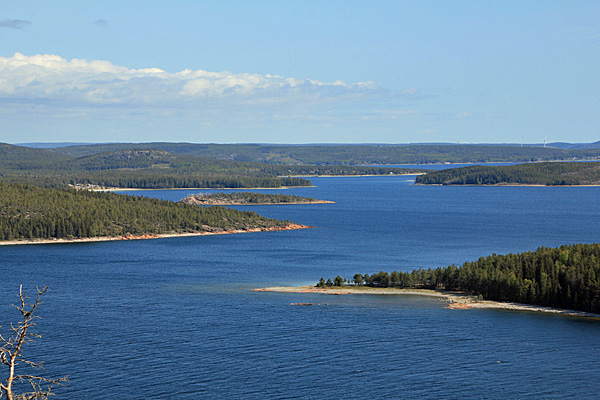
column 176, row 318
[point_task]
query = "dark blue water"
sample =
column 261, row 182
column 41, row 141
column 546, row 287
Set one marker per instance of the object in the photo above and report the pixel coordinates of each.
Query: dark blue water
column 176, row 319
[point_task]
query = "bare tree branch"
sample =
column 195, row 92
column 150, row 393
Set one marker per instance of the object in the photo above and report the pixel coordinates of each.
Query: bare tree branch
column 11, row 353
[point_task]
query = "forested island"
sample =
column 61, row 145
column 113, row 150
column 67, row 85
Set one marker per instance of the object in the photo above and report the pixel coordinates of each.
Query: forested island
column 567, row 277
column 247, row 198
column 29, row 213
column 148, row 168
column 546, row 174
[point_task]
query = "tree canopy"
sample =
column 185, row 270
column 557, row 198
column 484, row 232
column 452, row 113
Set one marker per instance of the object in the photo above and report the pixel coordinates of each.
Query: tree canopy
column 565, row 277
column 549, row 173
column 29, row 212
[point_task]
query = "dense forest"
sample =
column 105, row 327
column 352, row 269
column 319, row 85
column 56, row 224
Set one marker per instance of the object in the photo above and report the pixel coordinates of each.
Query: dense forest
column 363, row 154
column 566, row 277
column 154, row 169
column 549, row 173
column 30, row 212
column 246, row 198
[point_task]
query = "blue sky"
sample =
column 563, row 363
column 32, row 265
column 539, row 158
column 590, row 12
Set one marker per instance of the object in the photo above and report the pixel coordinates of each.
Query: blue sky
column 300, row 71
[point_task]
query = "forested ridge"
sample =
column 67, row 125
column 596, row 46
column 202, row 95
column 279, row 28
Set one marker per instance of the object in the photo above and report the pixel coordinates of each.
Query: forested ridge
column 548, row 173
column 565, row 277
column 154, row 169
column 352, row 154
column 30, row 212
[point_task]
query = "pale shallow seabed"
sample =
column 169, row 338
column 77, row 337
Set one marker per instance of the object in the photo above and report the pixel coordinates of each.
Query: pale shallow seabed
column 176, row 318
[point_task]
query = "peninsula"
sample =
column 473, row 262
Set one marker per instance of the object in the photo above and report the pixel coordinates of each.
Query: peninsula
column 248, row 198
column 547, row 279
column 532, row 174
column 30, row 214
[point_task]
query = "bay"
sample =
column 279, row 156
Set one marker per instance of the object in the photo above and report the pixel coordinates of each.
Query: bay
column 176, row 318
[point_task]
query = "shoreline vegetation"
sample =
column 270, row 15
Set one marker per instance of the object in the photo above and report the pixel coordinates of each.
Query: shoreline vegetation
column 555, row 174
column 32, row 214
column 248, row 198
column 512, row 185
column 121, row 189
column 456, row 300
column 565, row 278
column 147, row 236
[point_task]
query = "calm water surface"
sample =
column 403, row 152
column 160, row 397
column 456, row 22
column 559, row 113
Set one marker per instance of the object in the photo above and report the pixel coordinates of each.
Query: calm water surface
column 176, row 319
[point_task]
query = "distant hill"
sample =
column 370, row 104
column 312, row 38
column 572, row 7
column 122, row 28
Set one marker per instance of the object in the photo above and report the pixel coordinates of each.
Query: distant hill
column 51, row 145
column 561, row 145
column 149, row 168
column 26, row 157
column 358, row 154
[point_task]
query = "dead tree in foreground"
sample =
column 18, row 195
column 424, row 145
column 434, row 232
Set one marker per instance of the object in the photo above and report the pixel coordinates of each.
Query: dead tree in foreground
column 11, row 353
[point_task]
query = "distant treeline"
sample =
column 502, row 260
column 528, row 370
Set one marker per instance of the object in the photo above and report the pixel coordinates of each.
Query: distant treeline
column 363, row 154
column 566, row 277
column 549, row 173
column 154, row 169
column 30, row 212
column 147, row 180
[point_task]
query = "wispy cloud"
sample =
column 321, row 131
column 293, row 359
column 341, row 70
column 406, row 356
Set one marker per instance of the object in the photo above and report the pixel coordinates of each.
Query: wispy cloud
column 14, row 23
column 101, row 23
column 53, row 80
column 45, row 94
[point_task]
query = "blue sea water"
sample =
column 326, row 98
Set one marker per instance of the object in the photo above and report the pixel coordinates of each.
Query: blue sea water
column 176, row 318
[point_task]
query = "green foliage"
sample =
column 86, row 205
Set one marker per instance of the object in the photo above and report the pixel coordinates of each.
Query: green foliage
column 565, row 277
column 551, row 174
column 351, row 154
column 145, row 168
column 358, row 279
column 243, row 198
column 29, row 212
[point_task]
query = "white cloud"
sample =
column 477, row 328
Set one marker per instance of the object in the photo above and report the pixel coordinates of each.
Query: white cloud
column 56, row 82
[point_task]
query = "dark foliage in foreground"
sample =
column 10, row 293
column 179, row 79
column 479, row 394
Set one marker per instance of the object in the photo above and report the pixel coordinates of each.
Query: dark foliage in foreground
column 566, row 277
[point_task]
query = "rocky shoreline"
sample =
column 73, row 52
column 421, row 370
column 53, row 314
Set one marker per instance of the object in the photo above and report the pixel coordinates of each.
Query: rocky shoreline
column 247, row 199
column 455, row 300
column 200, row 202
column 129, row 236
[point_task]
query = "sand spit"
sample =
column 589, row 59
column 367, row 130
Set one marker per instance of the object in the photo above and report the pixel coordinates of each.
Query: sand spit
column 129, row 236
column 455, row 300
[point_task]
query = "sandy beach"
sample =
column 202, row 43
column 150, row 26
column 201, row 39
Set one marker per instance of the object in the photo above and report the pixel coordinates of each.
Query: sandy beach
column 455, row 300
column 288, row 227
